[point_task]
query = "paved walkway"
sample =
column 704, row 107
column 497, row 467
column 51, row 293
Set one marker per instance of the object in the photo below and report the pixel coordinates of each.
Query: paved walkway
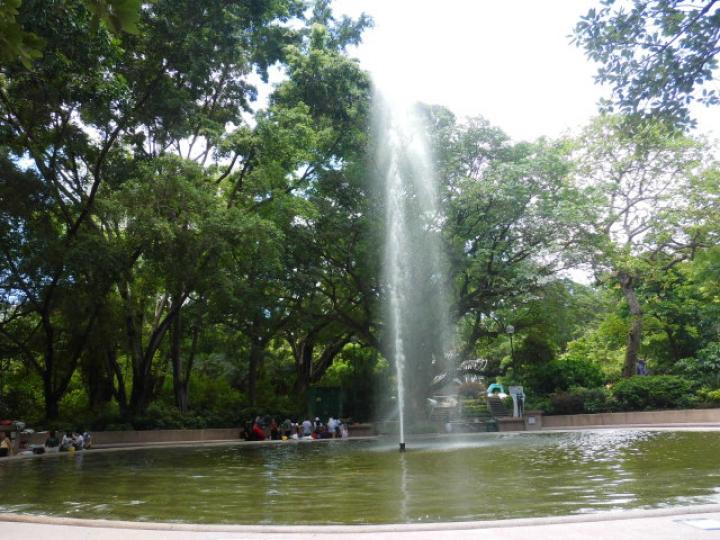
column 702, row 522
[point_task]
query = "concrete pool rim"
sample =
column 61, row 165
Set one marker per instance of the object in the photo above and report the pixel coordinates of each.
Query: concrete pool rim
column 375, row 528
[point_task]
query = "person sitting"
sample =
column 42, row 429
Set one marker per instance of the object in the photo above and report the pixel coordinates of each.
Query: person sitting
column 77, row 441
column 52, row 443
column 331, row 424
column 286, row 429
column 66, row 443
column 274, row 430
column 257, row 432
column 307, row 428
column 6, row 445
column 87, row 440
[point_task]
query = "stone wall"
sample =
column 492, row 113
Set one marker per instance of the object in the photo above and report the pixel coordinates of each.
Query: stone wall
column 688, row 416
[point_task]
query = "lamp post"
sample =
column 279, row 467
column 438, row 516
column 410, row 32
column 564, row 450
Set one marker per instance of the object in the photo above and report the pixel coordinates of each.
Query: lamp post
column 510, row 330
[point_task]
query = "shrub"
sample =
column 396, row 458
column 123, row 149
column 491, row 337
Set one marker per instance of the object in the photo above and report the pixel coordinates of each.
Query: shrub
column 566, row 403
column 474, row 407
column 709, row 397
column 704, row 368
column 654, row 392
column 563, row 374
column 580, row 400
column 471, row 389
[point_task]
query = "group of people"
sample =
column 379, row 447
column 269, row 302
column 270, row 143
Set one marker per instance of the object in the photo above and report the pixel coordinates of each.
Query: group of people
column 71, row 441
column 268, row 429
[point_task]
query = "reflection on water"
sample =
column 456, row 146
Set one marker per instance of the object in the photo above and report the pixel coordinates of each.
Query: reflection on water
column 485, row 476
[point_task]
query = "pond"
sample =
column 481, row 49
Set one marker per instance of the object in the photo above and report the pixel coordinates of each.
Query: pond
column 474, row 477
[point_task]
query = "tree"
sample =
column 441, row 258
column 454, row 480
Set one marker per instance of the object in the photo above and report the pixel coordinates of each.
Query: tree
column 655, row 54
column 512, row 216
column 640, row 185
column 89, row 106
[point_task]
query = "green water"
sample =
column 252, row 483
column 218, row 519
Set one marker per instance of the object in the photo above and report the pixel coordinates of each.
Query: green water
column 488, row 476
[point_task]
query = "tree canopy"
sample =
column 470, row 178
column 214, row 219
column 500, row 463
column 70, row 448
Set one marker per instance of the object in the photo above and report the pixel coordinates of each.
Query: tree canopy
column 658, row 56
column 177, row 251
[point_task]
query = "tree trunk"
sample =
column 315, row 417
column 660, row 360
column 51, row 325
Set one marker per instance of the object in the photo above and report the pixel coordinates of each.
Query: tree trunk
column 52, row 410
column 179, row 389
column 327, row 357
column 98, row 377
column 303, row 365
column 635, row 333
column 181, row 374
column 120, row 392
column 142, row 358
column 257, row 352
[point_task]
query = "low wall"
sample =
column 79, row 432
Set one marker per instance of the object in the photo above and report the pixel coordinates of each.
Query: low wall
column 112, row 438
column 686, row 416
column 130, row 438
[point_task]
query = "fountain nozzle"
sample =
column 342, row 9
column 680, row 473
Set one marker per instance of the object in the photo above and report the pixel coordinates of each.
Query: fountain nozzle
column 402, row 446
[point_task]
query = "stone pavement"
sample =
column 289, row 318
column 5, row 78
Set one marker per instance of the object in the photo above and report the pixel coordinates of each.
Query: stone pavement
column 702, row 522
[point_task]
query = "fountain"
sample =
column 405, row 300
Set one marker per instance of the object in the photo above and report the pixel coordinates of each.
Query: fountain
column 417, row 301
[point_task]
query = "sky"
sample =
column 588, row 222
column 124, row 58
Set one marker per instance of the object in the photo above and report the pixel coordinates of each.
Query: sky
column 509, row 61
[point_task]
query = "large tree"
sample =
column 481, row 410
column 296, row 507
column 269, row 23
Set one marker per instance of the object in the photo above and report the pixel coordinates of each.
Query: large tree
column 640, row 185
column 88, row 113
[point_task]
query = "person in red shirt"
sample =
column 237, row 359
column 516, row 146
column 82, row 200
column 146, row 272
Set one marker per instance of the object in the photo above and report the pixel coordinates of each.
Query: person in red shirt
column 258, row 433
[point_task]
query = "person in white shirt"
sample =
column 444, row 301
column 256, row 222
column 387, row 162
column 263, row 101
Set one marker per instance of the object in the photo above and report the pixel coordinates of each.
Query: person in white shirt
column 66, row 443
column 77, row 441
column 307, row 428
column 332, row 425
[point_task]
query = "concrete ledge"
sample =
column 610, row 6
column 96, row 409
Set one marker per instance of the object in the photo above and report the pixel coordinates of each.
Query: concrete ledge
column 385, row 528
column 511, row 424
column 637, row 418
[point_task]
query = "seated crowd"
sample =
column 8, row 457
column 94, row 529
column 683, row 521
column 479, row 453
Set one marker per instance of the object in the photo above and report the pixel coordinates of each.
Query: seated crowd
column 267, row 428
column 69, row 442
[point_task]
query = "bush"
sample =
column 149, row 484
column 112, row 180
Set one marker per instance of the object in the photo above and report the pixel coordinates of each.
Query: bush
column 708, row 397
column 580, row 400
column 561, row 375
column 704, row 368
column 654, row 392
column 566, row 403
column 471, row 389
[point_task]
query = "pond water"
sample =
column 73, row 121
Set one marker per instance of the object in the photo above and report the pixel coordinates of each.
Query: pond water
column 475, row 477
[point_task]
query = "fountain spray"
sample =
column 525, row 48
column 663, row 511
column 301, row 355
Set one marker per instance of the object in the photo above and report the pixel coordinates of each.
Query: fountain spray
column 414, row 268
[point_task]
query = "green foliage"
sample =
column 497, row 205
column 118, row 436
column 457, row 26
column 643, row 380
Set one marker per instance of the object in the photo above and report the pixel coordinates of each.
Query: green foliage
column 359, row 372
column 713, row 396
column 654, row 54
column 474, row 407
column 472, row 390
column 580, row 400
column 15, row 43
column 652, row 392
column 20, row 395
column 704, row 369
column 176, row 256
column 562, row 374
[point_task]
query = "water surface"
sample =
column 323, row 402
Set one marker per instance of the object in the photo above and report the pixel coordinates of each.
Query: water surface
column 486, row 476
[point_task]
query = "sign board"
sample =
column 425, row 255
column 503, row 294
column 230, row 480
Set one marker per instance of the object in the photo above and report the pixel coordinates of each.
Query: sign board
column 516, row 391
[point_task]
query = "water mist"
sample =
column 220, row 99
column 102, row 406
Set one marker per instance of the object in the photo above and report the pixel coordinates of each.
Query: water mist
column 420, row 335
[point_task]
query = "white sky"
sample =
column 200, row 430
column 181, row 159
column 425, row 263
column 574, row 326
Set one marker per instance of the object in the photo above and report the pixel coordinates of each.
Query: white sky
column 509, row 61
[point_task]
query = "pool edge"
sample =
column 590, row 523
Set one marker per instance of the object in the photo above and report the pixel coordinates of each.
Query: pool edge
column 375, row 528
